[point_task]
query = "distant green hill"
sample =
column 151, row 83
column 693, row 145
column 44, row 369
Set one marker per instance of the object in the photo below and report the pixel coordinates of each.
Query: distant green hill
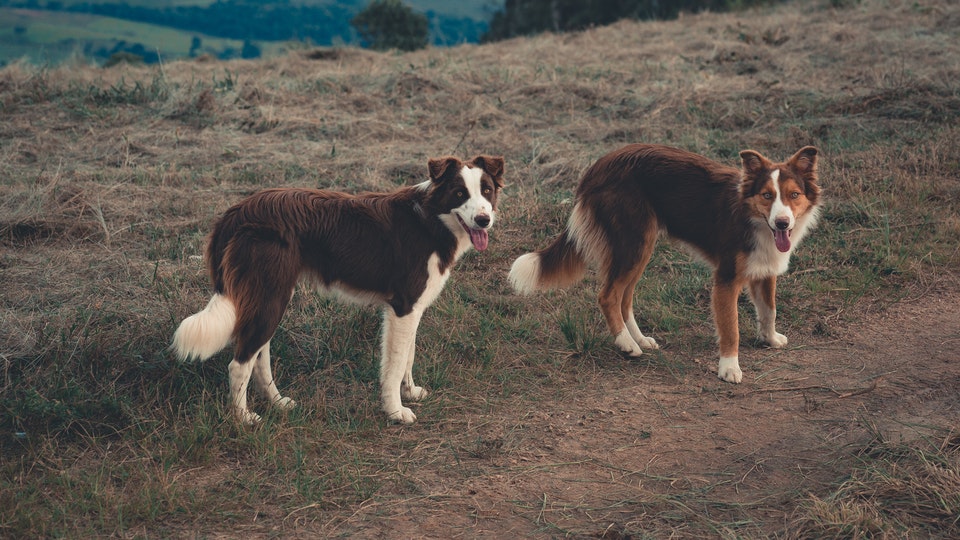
column 51, row 37
column 49, row 31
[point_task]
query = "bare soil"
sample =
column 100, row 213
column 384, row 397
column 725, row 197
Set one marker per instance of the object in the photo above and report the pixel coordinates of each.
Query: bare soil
column 635, row 446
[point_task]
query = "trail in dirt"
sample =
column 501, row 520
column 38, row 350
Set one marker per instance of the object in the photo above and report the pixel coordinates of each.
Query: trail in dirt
column 630, row 454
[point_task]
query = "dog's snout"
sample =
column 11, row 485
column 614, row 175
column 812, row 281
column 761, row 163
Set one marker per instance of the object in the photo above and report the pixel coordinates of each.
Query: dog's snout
column 782, row 223
column 482, row 220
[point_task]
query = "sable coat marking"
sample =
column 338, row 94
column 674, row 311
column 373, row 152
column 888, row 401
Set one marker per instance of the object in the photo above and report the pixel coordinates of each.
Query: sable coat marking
column 744, row 222
column 393, row 249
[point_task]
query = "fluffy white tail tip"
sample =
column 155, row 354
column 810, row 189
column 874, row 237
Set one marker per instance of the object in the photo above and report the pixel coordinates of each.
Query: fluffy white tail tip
column 525, row 273
column 206, row 333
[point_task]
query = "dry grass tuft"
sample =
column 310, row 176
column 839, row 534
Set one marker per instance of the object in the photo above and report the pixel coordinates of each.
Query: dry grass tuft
column 894, row 488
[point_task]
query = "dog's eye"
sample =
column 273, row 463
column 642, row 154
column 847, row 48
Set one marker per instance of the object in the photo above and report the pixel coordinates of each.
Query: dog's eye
column 767, row 195
column 486, row 191
column 461, row 194
column 795, row 195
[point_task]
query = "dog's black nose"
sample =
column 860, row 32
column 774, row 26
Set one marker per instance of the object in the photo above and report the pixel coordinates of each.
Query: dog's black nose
column 482, row 220
column 783, row 223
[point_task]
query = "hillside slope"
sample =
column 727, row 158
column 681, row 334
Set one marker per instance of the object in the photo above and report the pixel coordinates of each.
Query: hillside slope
column 536, row 427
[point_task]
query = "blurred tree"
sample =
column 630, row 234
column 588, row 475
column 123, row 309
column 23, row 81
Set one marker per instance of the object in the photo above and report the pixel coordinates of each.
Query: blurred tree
column 390, row 24
column 525, row 17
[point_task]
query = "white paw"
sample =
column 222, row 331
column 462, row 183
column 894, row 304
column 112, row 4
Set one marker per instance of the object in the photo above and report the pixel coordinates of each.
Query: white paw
column 648, row 343
column 776, row 341
column 284, row 404
column 417, row 393
column 729, row 370
column 626, row 344
column 246, row 417
column 402, row 416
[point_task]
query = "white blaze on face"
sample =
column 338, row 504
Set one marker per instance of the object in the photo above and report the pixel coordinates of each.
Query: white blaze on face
column 781, row 219
column 476, row 213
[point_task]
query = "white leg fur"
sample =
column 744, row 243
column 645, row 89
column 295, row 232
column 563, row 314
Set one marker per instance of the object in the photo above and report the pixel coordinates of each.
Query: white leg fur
column 265, row 382
column 627, row 344
column 642, row 340
column 239, row 380
column 409, row 389
column 398, row 334
column 766, row 326
column 729, row 369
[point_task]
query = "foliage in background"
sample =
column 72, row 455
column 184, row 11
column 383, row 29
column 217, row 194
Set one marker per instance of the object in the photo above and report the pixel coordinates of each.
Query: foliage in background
column 391, row 24
column 526, row 17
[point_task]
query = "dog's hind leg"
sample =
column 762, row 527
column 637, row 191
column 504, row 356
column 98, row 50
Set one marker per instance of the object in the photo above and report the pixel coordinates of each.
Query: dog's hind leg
column 611, row 302
column 264, row 377
column 646, row 251
column 239, row 379
column 399, row 335
column 260, row 283
column 763, row 292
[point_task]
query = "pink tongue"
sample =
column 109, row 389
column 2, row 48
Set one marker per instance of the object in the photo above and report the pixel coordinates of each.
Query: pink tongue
column 782, row 239
column 479, row 238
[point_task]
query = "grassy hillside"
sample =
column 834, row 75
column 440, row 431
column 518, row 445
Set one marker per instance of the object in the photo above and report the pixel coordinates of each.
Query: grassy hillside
column 110, row 179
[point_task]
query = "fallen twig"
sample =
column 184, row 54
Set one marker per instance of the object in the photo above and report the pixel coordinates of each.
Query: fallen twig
column 840, row 394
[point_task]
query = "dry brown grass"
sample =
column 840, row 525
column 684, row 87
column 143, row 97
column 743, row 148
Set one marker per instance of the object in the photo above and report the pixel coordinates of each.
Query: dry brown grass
column 110, row 179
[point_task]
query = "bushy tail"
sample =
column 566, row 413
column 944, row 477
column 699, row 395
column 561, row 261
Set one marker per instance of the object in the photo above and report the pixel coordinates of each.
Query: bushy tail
column 204, row 334
column 558, row 265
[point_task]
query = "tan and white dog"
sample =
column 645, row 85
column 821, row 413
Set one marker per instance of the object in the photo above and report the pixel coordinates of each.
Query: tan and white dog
column 744, row 222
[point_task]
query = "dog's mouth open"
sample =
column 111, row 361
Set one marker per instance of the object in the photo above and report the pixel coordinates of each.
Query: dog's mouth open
column 478, row 237
column 781, row 237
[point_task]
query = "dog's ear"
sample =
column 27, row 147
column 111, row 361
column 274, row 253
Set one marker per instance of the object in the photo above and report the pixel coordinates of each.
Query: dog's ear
column 492, row 165
column 753, row 163
column 804, row 165
column 442, row 168
column 804, row 162
column 754, row 168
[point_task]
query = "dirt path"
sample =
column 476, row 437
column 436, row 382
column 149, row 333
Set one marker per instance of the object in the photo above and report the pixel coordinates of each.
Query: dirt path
column 660, row 451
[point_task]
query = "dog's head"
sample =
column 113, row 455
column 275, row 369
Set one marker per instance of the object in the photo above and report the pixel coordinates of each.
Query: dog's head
column 464, row 195
column 783, row 196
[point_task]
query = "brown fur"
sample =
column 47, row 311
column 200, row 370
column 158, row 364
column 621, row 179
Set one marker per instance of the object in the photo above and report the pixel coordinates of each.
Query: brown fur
column 629, row 195
column 374, row 247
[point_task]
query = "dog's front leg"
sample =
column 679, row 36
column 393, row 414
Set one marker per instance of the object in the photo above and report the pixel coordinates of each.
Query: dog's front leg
column 724, row 303
column 409, row 389
column 763, row 292
column 399, row 336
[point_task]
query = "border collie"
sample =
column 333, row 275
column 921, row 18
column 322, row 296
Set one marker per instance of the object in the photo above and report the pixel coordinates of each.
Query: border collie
column 744, row 222
column 393, row 249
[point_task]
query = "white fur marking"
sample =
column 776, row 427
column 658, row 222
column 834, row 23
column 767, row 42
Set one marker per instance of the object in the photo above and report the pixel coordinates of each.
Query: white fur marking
column 475, row 205
column 525, row 273
column 398, row 344
column 263, row 374
column 206, row 332
column 729, row 369
column 779, row 210
column 765, row 260
column 587, row 236
column 239, row 379
column 634, row 329
column 626, row 343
